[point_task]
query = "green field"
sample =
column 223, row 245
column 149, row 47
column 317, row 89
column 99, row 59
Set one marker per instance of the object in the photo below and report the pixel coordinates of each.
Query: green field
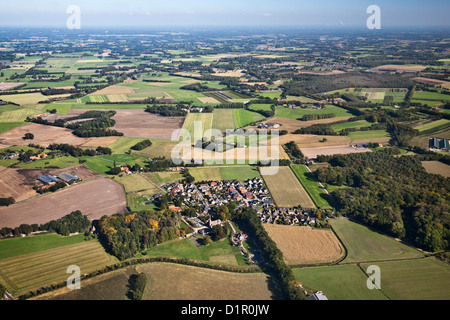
column 19, row 246
column 419, row 279
column 264, row 107
column 434, row 125
column 6, row 126
column 427, row 95
column 363, row 244
column 243, row 118
column 34, row 270
column 342, row 282
column 371, row 134
column 124, row 144
column 192, row 119
column 223, row 250
column 320, row 198
column 223, row 119
column 347, row 125
column 298, row 113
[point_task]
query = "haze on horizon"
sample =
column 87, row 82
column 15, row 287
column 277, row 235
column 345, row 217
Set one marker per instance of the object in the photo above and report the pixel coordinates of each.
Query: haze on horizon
column 141, row 13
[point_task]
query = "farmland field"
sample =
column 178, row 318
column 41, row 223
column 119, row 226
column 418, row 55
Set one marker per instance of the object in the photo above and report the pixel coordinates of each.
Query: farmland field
column 6, row 126
column 305, row 245
column 297, row 113
column 206, row 120
column 364, row 244
column 244, row 117
column 93, row 198
column 354, row 124
column 124, row 144
column 177, row 282
column 223, row 119
column 437, row 167
column 320, row 198
column 341, row 282
column 434, row 125
column 19, row 246
column 31, row 271
column 371, row 134
column 312, row 153
column 286, row 190
column 224, row 173
column 110, row 286
column 419, row 279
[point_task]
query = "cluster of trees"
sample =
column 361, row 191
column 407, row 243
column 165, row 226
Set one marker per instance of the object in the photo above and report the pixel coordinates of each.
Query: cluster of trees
column 6, row 202
column 52, row 188
column 179, row 110
column 126, row 235
column 249, row 221
column 78, row 152
column 318, row 129
column 137, row 284
column 310, row 117
column 293, row 150
column 142, row 145
column 392, row 194
column 71, row 223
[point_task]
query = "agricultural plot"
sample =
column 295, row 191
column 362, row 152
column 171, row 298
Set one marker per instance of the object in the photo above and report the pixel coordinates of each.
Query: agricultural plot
column 419, row 279
column 367, row 135
column 244, row 117
column 347, row 125
column 19, row 183
column 177, row 282
column 240, row 173
column 164, row 177
column 203, row 120
column 93, row 198
column 286, row 190
column 136, row 183
column 437, row 167
column 433, row 126
column 110, row 286
column 6, row 126
column 43, row 136
column 305, row 245
column 317, row 194
column 363, row 244
column 19, row 246
column 284, row 112
column 124, row 144
column 223, row 119
column 159, row 148
column 341, row 282
column 34, row 270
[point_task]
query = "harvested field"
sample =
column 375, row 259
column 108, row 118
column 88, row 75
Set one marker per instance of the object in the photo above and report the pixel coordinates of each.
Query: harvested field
column 93, row 198
column 395, row 68
column 100, row 141
column 292, row 124
column 43, row 136
column 180, row 282
column 435, row 167
column 112, row 90
column 140, row 124
column 312, row 153
column 34, row 270
column 19, row 183
column 313, row 141
column 433, row 82
column 109, row 286
column 208, row 100
column 305, row 245
column 9, row 85
column 286, row 190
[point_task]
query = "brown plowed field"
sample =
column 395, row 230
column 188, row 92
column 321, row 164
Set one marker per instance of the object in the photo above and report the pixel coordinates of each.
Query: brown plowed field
column 93, row 198
column 19, row 183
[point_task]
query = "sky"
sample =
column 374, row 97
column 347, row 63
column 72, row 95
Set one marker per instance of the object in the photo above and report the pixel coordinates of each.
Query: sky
column 151, row 13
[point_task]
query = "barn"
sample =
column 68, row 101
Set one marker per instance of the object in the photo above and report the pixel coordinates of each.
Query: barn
column 48, row 179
